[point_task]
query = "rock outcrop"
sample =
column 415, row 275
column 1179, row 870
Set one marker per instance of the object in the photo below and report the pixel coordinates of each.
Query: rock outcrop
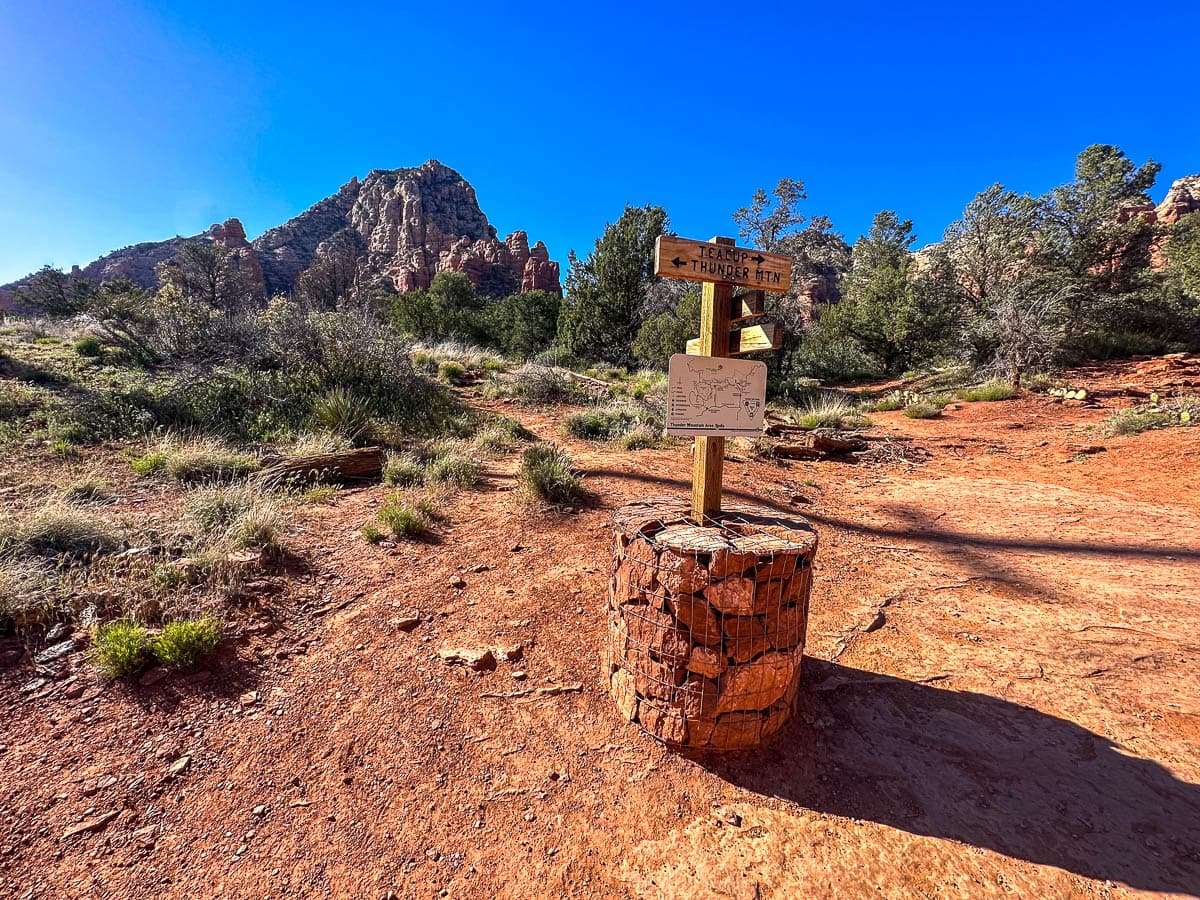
column 1183, row 197
column 397, row 228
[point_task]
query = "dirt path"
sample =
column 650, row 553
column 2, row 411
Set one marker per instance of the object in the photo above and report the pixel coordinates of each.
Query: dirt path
column 1003, row 700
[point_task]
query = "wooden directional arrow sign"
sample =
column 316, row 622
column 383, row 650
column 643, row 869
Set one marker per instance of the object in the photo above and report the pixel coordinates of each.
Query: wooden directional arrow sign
column 747, row 306
column 754, row 339
column 676, row 257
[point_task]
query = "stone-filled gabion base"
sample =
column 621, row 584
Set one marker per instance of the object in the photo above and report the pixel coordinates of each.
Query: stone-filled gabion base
column 706, row 624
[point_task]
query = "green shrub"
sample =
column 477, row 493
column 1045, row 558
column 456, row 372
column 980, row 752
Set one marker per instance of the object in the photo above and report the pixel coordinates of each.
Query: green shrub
column 373, row 534
column 216, row 508
column 452, row 465
column 401, row 519
column 496, row 440
column 58, row 529
column 1184, row 411
column 120, row 647
column 342, row 412
column 150, row 462
column 831, row 411
column 184, row 643
column 89, row 346
column 605, row 423
column 642, row 437
column 922, row 409
column 207, row 460
column 319, row 494
column 548, row 474
column 451, row 372
column 889, row 402
column 987, row 392
column 403, row 470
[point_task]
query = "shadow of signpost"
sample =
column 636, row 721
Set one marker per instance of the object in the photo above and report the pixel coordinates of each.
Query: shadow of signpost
column 973, row 768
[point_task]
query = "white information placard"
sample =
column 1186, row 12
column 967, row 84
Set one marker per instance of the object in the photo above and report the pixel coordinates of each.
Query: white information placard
column 709, row 396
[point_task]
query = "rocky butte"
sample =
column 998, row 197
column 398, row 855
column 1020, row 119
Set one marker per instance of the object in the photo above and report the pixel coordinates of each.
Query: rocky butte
column 397, row 228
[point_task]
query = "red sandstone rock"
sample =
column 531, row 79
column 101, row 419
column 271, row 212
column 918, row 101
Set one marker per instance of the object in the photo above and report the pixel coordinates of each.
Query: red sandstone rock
column 734, row 595
column 758, row 684
column 699, row 618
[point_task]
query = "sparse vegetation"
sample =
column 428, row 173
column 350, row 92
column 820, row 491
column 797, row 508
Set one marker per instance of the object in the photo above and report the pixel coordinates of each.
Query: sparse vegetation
column 373, row 533
column 922, row 409
column 185, row 643
column 452, row 372
column 616, row 421
column 451, row 464
column 402, row 519
column 87, row 490
column 120, row 647
column 342, row 412
column 1184, row 411
column 90, row 347
column 548, row 474
column 58, row 529
column 403, row 470
column 987, row 392
column 830, row 411
column 205, row 459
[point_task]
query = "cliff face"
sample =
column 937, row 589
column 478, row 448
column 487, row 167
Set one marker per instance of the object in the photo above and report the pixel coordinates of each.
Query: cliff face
column 397, row 227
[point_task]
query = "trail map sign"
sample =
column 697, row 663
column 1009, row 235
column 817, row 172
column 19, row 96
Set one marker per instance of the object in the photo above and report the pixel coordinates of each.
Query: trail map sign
column 719, row 397
column 676, row 257
column 709, row 395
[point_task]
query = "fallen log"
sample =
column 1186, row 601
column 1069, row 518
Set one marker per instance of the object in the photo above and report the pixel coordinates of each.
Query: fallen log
column 833, row 442
column 341, row 466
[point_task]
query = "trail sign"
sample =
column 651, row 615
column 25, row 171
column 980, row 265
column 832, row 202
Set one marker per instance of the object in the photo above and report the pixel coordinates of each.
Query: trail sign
column 754, row 339
column 710, row 396
column 676, row 257
column 703, row 396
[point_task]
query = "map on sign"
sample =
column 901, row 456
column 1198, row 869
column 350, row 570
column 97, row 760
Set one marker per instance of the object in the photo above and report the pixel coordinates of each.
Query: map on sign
column 716, row 397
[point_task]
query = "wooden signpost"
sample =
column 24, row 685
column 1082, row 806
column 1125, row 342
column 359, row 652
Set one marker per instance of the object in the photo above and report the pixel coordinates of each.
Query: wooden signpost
column 721, row 265
column 755, row 339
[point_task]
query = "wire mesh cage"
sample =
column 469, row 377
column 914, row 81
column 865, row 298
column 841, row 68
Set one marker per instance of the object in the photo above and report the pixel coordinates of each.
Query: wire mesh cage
column 706, row 623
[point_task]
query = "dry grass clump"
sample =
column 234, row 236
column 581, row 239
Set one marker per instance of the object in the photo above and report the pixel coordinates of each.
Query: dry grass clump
column 922, row 409
column 827, row 411
column 27, row 588
column 239, row 515
column 402, row 518
column 611, row 421
column 548, row 474
column 204, row 459
column 87, row 490
column 57, row 530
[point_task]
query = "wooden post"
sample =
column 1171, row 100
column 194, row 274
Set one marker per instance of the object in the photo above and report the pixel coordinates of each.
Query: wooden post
column 709, row 456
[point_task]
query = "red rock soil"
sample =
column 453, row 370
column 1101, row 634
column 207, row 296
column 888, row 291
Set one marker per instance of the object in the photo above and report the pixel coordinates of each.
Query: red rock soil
column 1002, row 698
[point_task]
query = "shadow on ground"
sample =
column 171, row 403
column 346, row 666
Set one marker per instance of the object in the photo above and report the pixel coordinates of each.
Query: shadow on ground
column 972, row 768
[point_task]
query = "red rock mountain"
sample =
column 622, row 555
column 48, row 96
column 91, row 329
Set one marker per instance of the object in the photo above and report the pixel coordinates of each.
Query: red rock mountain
column 400, row 227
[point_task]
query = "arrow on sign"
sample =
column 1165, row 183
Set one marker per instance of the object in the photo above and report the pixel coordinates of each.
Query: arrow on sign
column 677, row 262
column 760, row 259
column 754, row 339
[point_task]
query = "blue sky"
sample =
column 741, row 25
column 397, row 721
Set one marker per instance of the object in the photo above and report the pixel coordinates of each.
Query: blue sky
column 123, row 122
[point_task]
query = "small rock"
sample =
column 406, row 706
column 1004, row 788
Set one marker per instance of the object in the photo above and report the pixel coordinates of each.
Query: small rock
column 58, row 632
column 481, row 659
column 529, row 817
column 259, row 811
column 518, row 676
column 35, row 685
column 145, row 837
column 153, row 676
column 196, row 678
column 730, row 817
column 58, row 651
column 513, row 652
column 481, row 567
column 1093, row 449
column 74, row 690
column 433, row 854
column 180, row 766
column 876, row 623
column 249, row 698
column 407, row 620
column 457, row 582
column 91, row 824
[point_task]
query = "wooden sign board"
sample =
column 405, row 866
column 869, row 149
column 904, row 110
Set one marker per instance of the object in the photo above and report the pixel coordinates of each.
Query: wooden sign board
column 715, row 397
column 676, row 257
column 747, row 306
column 754, row 339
